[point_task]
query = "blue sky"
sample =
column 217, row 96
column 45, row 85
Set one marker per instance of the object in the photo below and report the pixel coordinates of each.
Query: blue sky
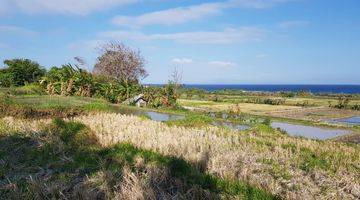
column 228, row 42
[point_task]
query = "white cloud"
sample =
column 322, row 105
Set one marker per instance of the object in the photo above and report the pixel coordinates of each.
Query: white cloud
column 182, row 60
column 75, row 7
column 171, row 16
column 227, row 36
column 222, row 64
column 257, row 4
column 16, row 30
column 184, row 14
column 293, row 24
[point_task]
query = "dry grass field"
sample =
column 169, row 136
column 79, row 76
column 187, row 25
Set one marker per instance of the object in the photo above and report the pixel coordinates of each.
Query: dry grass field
column 292, row 168
column 317, row 113
column 251, row 108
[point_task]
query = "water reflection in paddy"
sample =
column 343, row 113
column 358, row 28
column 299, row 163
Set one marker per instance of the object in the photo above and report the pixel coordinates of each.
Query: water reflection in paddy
column 351, row 120
column 311, row 132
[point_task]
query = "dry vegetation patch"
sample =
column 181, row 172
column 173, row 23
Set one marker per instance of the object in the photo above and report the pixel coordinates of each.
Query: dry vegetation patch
column 251, row 108
column 64, row 159
column 293, row 168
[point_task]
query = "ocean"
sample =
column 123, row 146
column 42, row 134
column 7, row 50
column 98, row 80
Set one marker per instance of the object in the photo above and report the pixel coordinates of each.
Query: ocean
column 345, row 89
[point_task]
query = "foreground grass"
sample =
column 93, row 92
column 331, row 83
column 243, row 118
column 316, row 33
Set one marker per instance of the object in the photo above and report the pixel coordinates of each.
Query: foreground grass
column 292, row 168
column 65, row 160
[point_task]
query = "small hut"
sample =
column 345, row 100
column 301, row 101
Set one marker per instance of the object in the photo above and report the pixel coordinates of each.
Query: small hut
column 139, row 101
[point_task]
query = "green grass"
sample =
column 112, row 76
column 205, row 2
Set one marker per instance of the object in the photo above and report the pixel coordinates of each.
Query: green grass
column 311, row 160
column 68, row 151
column 31, row 89
column 37, row 106
column 47, row 101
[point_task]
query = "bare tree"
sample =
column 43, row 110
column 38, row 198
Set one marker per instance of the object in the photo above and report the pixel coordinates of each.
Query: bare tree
column 120, row 62
column 176, row 78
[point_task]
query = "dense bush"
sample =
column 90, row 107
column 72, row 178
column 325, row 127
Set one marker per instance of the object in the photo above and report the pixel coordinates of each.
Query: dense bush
column 69, row 80
column 165, row 96
column 72, row 80
column 355, row 107
column 266, row 101
column 6, row 79
column 343, row 103
column 287, row 94
column 19, row 72
column 304, row 93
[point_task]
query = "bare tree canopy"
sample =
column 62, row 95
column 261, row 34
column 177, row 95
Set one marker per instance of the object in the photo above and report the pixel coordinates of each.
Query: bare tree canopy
column 120, row 62
column 176, row 77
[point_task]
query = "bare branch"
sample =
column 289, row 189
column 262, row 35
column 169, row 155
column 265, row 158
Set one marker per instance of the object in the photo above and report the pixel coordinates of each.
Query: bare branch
column 120, row 62
column 176, row 77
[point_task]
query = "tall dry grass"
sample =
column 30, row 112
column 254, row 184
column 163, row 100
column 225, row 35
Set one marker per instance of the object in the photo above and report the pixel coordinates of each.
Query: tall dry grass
column 293, row 168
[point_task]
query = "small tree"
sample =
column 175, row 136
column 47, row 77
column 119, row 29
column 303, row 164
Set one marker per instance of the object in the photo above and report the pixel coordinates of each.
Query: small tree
column 120, row 62
column 176, row 79
column 22, row 71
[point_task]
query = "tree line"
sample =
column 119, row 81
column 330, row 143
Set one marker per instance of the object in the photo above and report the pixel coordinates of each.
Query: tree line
column 116, row 77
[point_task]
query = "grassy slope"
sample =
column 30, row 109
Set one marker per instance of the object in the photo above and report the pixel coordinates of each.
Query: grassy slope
column 307, row 159
column 65, row 160
column 290, row 167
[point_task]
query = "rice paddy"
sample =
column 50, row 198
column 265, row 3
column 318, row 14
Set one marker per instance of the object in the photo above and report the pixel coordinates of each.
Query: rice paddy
column 101, row 153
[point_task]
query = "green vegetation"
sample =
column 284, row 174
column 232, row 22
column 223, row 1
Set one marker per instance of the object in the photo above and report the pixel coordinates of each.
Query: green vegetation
column 19, row 72
column 115, row 78
column 343, row 103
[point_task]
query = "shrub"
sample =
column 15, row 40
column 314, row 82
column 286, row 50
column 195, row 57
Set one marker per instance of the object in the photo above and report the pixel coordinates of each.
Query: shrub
column 19, row 72
column 165, row 96
column 355, row 107
column 304, row 93
column 343, row 102
column 287, row 94
column 6, row 79
column 266, row 101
